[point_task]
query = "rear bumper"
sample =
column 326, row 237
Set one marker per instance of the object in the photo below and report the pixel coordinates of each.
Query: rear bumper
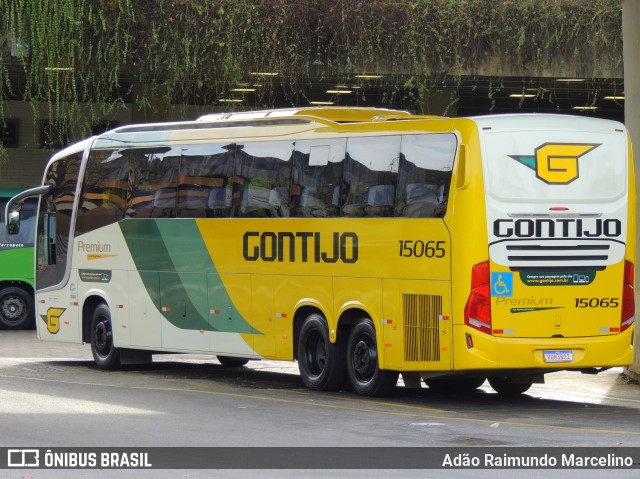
column 498, row 353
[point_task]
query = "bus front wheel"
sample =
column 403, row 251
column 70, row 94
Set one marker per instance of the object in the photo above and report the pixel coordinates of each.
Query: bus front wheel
column 365, row 375
column 16, row 311
column 506, row 387
column 321, row 362
column 105, row 354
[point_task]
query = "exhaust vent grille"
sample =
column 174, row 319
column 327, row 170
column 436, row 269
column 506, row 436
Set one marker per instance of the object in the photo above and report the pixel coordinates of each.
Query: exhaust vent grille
column 421, row 326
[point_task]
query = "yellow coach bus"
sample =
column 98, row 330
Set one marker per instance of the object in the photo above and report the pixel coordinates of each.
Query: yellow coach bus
column 361, row 243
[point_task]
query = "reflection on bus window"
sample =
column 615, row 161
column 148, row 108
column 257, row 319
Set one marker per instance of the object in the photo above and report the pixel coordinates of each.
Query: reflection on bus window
column 56, row 208
column 104, row 192
column 153, row 178
column 370, row 176
column 262, row 180
column 27, row 225
column 317, row 175
column 205, row 181
column 424, row 176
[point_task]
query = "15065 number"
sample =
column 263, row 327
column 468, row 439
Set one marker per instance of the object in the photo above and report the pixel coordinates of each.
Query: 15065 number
column 597, row 302
column 419, row 249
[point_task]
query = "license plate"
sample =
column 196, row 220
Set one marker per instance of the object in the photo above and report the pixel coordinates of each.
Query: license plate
column 561, row 356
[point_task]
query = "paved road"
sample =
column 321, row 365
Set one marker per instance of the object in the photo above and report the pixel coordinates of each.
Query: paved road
column 51, row 395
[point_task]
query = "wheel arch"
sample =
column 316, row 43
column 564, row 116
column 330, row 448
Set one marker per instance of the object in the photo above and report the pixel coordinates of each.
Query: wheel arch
column 88, row 307
column 8, row 283
column 351, row 314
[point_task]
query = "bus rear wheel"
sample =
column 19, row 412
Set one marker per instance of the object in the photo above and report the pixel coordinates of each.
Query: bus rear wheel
column 16, row 308
column 365, row 375
column 506, row 387
column 321, row 363
column 105, row 354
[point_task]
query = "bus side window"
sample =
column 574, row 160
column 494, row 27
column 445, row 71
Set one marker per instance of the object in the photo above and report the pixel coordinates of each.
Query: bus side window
column 424, row 177
column 317, row 174
column 262, row 183
column 54, row 226
column 370, row 176
column 104, row 190
column 153, row 179
column 205, row 181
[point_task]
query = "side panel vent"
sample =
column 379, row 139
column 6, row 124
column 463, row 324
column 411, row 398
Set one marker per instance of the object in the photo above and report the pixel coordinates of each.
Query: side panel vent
column 421, row 326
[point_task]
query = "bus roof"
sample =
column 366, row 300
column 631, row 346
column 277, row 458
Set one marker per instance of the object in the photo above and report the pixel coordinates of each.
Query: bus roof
column 336, row 114
column 545, row 121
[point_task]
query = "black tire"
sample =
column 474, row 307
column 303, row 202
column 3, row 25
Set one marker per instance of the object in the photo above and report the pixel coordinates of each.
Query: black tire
column 454, row 385
column 365, row 375
column 506, row 387
column 105, row 354
column 230, row 362
column 16, row 308
column 321, row 363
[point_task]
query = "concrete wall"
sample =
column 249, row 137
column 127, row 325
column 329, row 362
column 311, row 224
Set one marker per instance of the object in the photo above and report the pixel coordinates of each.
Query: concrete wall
column 26, row 161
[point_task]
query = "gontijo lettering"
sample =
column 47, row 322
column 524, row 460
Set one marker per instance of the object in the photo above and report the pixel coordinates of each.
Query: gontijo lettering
column 557, row 228
column 303, row 246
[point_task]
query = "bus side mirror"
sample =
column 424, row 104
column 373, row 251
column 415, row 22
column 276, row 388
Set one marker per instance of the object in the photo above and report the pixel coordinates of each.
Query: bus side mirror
column 13, row 223
column 12, row 208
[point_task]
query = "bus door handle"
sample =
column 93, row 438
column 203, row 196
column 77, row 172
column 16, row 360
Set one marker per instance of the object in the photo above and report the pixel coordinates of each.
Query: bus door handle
column 229, row 315
column 184, row 310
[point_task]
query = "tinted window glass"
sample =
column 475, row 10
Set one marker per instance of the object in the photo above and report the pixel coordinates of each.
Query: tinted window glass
column 153, row 179
column 263, row 175
column 104, row 190
column 317, row 174
column 56, row 208
column 26, row 235
column 370, row 175
column 205, row 181
column 426, row 163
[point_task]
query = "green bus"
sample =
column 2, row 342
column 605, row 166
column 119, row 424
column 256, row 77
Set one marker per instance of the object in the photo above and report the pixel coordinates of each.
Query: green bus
column 16, row 266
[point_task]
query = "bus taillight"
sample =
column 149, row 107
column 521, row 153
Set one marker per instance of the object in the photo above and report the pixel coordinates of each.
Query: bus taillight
column 477, row 312
column 628, row 297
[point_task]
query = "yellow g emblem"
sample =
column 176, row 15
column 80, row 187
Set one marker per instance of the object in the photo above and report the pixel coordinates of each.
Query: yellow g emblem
column 556, row 163
column 53, row 319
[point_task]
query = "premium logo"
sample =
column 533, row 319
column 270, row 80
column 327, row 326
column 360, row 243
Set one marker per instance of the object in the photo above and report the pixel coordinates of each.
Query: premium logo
column 556, row 163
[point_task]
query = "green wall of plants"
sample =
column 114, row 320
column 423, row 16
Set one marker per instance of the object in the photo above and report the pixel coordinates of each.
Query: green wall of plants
column 72, row 52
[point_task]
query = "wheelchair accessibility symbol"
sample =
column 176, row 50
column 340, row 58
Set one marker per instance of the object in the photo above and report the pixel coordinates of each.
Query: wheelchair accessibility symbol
column 501, row 284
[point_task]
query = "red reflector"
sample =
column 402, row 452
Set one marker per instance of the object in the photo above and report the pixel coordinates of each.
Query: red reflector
column 628, row 296
column 477, row 311
column 469, row 340
column 498, row 331
column 558, row 208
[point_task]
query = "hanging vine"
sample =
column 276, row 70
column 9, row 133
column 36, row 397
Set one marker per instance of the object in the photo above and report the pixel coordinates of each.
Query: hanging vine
column 68, row 53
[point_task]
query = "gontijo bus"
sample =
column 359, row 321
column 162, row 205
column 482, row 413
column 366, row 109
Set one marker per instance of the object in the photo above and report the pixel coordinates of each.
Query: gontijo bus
column 363, row 243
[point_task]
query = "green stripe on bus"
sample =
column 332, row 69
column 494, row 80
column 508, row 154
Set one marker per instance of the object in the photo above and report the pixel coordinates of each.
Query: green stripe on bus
column 179, row 275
